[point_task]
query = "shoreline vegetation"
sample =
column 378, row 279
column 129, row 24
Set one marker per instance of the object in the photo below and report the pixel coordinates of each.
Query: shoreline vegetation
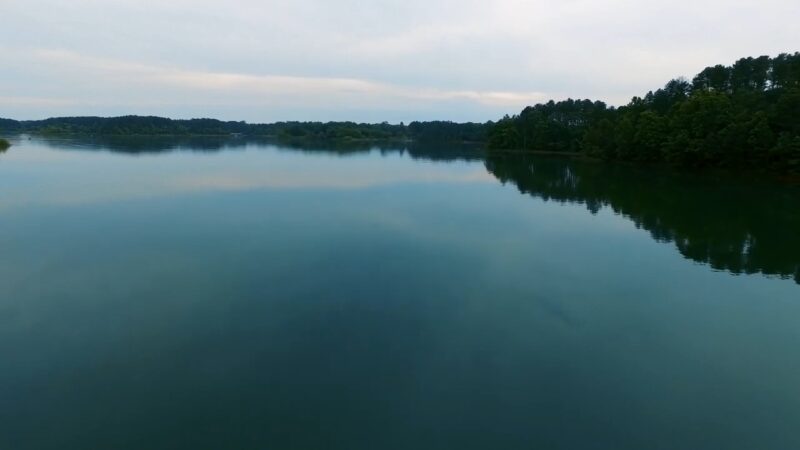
column 4, row 145
column 744, row 116
column 433, row 131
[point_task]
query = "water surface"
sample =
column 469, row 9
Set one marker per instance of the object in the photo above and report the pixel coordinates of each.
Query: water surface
column 197, row 294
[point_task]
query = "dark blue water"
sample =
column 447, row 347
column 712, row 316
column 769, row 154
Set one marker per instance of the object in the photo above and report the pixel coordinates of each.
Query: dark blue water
column 195, row 295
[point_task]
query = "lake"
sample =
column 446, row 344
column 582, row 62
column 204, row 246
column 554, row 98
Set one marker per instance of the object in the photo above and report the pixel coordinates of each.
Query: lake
column 210, row 294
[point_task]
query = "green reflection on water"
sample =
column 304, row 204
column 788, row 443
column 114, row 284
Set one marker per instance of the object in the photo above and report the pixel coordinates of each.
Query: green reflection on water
column 238, row 294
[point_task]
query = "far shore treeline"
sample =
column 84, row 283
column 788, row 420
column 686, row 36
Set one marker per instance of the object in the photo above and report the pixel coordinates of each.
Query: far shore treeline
column 440, row 131
column 742, row 116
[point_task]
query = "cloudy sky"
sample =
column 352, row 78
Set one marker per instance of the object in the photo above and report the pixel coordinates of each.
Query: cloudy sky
column 267, row 60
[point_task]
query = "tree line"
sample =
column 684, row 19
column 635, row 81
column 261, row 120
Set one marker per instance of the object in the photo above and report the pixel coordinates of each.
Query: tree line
column 744, row 115
column 441, row 131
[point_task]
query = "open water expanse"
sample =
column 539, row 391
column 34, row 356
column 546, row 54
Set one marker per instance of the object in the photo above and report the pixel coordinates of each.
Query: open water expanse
column 226, row 294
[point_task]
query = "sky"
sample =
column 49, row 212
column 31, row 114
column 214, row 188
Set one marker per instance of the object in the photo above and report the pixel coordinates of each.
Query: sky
column 367, row 61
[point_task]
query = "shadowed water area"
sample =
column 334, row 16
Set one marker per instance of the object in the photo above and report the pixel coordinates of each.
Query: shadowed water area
column 207, row 294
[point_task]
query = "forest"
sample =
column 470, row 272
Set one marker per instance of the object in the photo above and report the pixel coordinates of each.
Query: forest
column 744, row 115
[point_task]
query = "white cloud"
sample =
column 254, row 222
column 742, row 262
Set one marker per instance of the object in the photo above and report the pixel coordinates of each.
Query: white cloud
column 369, row 60
column 114, row 76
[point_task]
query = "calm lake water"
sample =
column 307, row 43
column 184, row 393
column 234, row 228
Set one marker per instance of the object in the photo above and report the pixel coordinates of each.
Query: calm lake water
column 197, row 294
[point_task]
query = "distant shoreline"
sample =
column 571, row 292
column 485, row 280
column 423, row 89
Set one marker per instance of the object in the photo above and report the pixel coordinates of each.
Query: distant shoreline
column 152, row 126
column 745, row 116
column 266, row 137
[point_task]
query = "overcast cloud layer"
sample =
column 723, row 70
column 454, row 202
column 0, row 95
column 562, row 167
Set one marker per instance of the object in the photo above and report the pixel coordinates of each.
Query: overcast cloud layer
column 267, row 60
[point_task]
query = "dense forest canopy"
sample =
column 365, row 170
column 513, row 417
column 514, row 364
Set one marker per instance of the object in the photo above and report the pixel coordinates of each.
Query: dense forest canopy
column 744, row 115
